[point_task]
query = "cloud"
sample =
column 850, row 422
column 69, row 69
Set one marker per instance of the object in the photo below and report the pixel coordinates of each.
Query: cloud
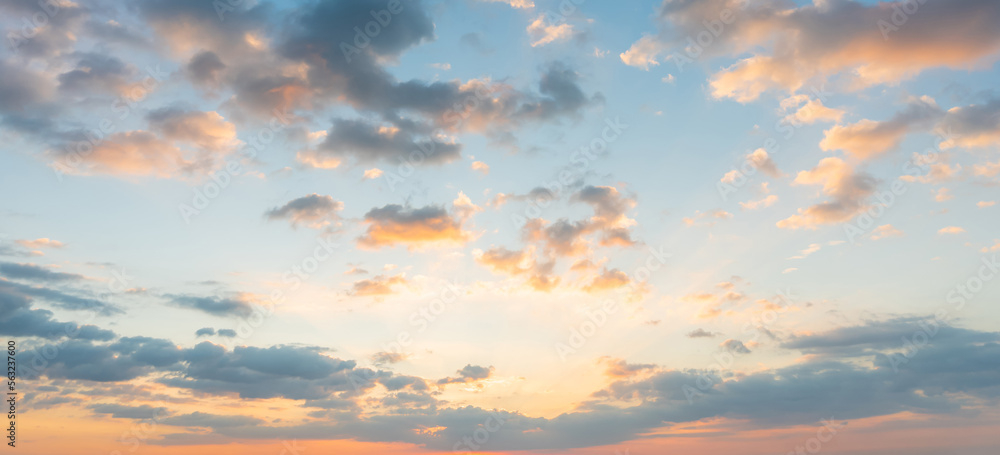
column 794, row 45
column 41, row 243
column 700, row 333
column 33, row 272
column 18, row 318
column 707, row 219
column 736, row 346
column 383, row 357
column 393, row 225
column 207, row 331
column 227, row 333
column 847, row 189
column 372, row 173
column 984, row 204
column 543, row 32
column 203, row 130
column 119, row 411
column 812, row 111
column 469, row 373
column 951, row 230
column 314, row 211
column 379, row 285
column 760, row 203
column 216, row 306
column 886, row 231
column 971, row 127
column 607, row 280
column 866, row 138
column 367, row 143
column 519, row 4
column 481, row 167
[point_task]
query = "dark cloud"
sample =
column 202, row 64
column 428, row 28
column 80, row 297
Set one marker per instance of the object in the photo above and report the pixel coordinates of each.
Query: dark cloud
column 33, row 272
column 216, row 306
column 207, row 331
column 61, row 299
column 205, row 69
column 17, row 318
column 469, row 373
column 314, row 210
column 700, row 333
column 119, row 411
column 227, row 333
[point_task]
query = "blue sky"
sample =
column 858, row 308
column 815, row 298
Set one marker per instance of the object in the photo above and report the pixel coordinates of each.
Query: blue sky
column 579, row 159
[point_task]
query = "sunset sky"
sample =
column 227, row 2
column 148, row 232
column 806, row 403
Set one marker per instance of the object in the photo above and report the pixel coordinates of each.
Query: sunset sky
column 501, row 226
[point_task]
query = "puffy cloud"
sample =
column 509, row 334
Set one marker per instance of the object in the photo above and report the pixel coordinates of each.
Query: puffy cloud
column 794, row 45
column 97, row 74
column 206, row 331
column 760, row 203
column 847, row 189
column 379, row 285
column 619, row 368
column 204, row 130
column 372, row 173
column 607, row 280
column 397, row 225
column 867, row 138
column 314, row 211
column 367, row 143
column 951, row 230
column 543, row 32
column 736, row 346
column 812, row 111
column 481, row 167
column 469, row 373
column 140, row 153
column 972, row 126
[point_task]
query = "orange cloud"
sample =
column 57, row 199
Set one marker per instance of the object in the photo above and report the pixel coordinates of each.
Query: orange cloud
column 394, row 224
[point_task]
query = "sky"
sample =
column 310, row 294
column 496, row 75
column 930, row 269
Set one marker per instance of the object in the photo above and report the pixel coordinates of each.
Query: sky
column 501, row 226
